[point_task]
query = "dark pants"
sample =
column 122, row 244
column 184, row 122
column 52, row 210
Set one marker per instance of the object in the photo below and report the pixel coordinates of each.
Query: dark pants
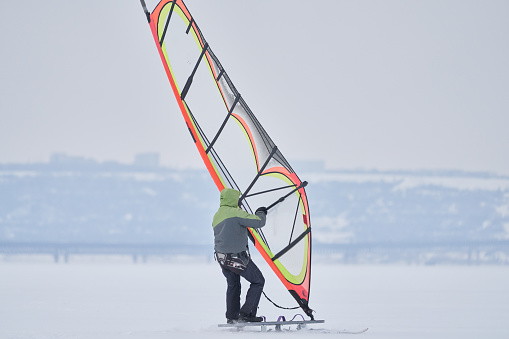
column 255, row 277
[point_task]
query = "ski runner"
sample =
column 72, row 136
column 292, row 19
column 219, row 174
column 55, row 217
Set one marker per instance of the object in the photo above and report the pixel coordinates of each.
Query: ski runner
column 230, row 225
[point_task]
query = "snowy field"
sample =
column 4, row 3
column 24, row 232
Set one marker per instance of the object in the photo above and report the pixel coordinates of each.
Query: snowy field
column 85, row 299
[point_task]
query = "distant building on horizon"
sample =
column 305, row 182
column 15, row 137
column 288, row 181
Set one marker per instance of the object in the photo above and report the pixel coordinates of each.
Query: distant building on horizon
column 64, row 159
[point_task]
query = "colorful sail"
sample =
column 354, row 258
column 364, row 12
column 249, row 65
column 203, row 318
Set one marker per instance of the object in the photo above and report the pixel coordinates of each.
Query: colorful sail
column 234, row 146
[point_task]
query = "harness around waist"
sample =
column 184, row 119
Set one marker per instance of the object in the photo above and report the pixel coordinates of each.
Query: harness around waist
column 228, row 259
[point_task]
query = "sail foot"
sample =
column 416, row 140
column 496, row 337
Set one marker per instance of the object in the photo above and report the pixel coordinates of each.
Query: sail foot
column 303, row 303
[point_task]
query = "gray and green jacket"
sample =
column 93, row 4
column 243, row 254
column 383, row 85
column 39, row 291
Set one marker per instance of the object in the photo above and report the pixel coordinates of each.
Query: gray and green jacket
column 230, row 223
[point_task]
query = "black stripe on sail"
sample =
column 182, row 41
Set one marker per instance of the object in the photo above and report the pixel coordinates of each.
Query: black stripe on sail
column 219, row 163
column 144, row 5
column 189, row 26
column 260, row 233
column 167, row 23
column 237, row 98
column 191, row 132
column 220, row 74
column 274, row 150
column 271, row 190
column 294, row 220
column 303, row 184
column 291, row 245
column 190, row 79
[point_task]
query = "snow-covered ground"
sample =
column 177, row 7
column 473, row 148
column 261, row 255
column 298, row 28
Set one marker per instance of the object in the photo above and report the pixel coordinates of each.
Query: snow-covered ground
column 186, row 300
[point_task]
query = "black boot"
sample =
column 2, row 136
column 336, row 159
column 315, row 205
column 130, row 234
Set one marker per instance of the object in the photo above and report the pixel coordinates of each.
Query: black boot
column 249, row 318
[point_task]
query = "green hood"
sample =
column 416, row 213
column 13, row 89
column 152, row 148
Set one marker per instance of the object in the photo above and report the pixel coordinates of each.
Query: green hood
column 229, row 197
column 229, row 208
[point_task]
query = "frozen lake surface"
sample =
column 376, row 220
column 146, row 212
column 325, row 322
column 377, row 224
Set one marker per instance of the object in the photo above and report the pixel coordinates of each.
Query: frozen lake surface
column 186, row 300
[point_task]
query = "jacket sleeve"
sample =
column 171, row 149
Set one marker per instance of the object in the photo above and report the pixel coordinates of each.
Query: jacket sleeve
column 253, row 220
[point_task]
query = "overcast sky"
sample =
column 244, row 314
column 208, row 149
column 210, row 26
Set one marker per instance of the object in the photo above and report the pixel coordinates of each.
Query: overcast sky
column 358, row 84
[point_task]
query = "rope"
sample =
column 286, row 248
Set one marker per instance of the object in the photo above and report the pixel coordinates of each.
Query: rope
column 284, row 308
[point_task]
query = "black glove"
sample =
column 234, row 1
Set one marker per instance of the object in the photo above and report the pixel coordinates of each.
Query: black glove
column 262, row 209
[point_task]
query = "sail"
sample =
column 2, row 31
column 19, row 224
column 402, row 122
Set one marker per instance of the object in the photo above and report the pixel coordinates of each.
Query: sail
column 235, row 148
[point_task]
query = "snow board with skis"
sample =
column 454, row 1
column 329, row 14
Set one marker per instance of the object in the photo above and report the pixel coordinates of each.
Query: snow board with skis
column 280, row 322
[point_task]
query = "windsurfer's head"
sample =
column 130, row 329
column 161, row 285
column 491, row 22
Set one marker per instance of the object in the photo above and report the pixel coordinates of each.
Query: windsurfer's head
column 229, row 197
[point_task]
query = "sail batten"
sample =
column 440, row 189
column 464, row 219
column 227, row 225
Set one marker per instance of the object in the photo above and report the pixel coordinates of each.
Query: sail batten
column 241, row 154
column 167, row 23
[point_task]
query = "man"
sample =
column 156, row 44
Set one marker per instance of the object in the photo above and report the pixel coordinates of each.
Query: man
column 230, row 225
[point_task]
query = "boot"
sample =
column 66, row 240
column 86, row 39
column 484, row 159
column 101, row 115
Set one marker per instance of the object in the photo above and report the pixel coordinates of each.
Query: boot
column 249, row 318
